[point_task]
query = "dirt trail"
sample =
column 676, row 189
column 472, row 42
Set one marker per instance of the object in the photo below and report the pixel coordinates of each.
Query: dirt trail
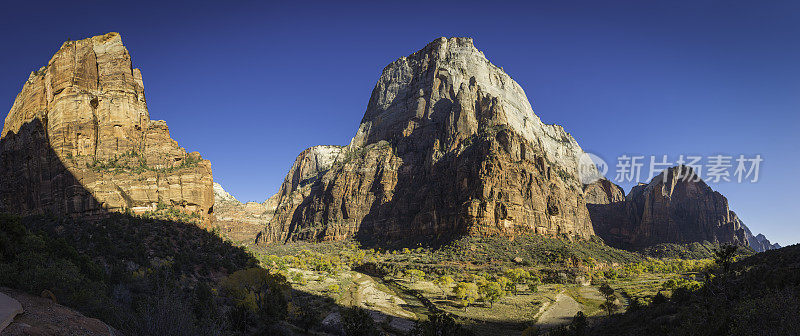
column 383, row 306
column 559, row 312
column 565, row 307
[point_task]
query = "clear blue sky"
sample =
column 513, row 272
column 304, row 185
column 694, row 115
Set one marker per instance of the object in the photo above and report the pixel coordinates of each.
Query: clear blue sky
column 251, row 84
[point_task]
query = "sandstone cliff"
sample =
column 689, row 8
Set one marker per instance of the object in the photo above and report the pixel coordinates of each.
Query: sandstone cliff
column 675, row 207
column 240, row 222
column 79, row 141
column 448, row 145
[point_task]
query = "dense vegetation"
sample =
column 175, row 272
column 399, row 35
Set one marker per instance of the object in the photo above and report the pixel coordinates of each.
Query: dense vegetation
column 696, row 250
column 472, row 274
column 134, row 162
column 759, row 295
column 148, row 276
column 553, row 260
column 142, row 276
column 529, row 250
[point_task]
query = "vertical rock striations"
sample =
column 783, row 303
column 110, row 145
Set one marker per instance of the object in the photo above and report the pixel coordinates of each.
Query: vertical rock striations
column 79, row 140
column 449, row 145
column 675, row 207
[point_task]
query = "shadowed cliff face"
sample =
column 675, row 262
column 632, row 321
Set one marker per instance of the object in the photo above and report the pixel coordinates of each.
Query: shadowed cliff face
column 448, row 146
column 139, row 275
column 35, row 181
column 84, row 114
column 675, row 207
column 100, row 261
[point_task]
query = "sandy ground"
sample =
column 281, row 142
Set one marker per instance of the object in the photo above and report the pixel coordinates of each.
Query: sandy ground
column 360, row 290
column 565, row 307
column 559, row 312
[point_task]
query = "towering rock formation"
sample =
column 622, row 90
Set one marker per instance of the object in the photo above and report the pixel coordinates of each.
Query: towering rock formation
column 675, row 207
column 79, row 141
column 449, row 145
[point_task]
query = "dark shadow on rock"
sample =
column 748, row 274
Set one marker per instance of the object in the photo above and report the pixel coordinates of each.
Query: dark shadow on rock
column 611, row 223
column 428, row 204
column 138, row 264
column 107, row 264
column 34, row 180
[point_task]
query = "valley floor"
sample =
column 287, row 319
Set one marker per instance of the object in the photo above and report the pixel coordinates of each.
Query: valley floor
column 396, row 301
column 393, row 302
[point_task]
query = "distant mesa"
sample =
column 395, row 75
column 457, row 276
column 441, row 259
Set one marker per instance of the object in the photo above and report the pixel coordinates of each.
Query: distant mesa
column 240, row 222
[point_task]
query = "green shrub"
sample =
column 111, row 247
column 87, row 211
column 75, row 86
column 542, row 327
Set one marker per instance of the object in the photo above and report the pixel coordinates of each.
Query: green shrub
column 260, row 291
column 358, row 322
column 440, row 324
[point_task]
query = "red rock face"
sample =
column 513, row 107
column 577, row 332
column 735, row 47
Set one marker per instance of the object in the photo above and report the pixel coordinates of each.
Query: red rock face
column 675, row 207
column 448, row 146
column 79, row 140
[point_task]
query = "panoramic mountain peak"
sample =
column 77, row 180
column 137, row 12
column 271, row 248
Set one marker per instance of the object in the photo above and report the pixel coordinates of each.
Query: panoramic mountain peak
column 79, row 140
column 220, row 195
column 445, row 47
column 448, row 145
column 450, row 91
column 92, row 66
